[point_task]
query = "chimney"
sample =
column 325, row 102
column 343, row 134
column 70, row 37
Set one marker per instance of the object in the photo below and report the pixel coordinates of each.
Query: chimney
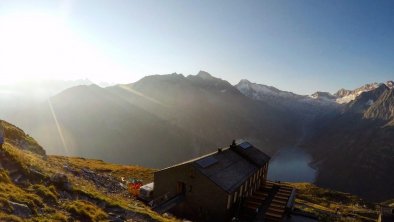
column 220, row 150
column 233, row 145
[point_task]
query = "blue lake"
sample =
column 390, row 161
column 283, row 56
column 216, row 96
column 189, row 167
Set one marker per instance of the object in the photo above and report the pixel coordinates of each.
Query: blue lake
column 291, row 164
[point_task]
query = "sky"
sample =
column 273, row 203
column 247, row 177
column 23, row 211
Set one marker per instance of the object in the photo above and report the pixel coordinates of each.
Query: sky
column 297, row 45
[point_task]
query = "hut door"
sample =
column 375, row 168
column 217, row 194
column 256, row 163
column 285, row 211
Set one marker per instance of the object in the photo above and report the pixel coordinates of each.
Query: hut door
column 180, row 187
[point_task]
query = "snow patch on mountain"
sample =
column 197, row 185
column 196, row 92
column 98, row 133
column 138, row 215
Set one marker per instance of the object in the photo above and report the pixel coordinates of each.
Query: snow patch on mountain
column 257, row 91
column 346, row 96
column 275, row 96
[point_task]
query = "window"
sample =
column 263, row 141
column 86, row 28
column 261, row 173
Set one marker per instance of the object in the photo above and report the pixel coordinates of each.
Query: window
column 228, row 201
column 180, row 187
column 235, row 197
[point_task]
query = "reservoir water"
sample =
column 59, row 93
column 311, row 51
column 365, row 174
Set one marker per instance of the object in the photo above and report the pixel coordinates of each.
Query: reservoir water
column 291, row 164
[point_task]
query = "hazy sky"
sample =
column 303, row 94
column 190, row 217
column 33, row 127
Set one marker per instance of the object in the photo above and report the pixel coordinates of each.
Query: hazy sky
column 294, row 45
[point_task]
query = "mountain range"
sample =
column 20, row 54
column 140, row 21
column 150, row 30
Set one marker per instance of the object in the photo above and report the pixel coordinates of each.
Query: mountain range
column 350, row 134
column 157, row 121
column 164, row 119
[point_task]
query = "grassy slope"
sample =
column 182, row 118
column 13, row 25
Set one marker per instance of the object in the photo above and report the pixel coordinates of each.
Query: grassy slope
column 329, row 205
column 87, row 200
column 38, row 196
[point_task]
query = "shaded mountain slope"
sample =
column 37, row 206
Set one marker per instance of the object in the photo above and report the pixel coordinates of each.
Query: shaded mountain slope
column 354, row 150
column 157, row 121
column 89, row 121
column 382, row 108
column 212, row 108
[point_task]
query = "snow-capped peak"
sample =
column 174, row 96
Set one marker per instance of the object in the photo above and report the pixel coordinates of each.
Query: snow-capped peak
column 346, row 96
column 260, row 91
column 322, row 95
column 390, row 84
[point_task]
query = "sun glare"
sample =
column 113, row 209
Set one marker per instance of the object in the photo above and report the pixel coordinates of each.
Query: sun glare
column 28, row 42
column 43, row 46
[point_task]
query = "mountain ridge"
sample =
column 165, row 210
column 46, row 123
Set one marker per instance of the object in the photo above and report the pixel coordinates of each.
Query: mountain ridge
column 356, row 146
column 175, row 110
column 164, row 119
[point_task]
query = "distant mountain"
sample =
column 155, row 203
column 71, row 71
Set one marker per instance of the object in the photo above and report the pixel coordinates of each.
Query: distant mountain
column 23, row 94
column 288, row 100
column 302, row 109
column 354, row 150
column 260, row 91
column 346, row 96
column 157, row 121
column 323, row 96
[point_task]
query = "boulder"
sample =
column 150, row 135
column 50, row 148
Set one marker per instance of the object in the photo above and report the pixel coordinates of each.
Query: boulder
column 21, row 210
column 62, row 181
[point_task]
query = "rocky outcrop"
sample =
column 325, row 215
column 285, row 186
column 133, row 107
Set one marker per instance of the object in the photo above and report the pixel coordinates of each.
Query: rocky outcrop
column 20, row 139
column 21, row 210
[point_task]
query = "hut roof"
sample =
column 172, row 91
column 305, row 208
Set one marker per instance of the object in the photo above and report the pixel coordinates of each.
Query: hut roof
column 230, row 167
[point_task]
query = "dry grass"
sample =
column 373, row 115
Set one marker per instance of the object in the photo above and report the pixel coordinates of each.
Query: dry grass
column 4, row 178
column 330, row 205
column 34, row 194
column 116, row 170
column 9, row 218
column 86, row 211
column 48, row 193
column 13, row 193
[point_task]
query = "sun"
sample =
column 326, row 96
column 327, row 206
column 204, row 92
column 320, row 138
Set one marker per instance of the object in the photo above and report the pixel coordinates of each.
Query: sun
column 44, row 46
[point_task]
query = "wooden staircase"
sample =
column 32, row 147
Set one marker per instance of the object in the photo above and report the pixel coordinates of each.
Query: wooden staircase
column 267, row 203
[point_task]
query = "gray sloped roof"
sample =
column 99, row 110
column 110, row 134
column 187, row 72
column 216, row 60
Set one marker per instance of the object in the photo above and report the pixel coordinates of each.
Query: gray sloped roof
column 251, row 153
column 231, row 167
column 230, row 170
